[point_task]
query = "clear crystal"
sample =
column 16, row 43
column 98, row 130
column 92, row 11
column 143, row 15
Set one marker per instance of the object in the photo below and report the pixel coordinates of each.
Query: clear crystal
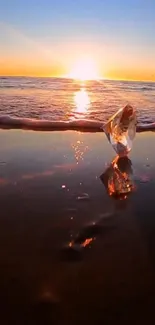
column 118, row 178
column 121, row 130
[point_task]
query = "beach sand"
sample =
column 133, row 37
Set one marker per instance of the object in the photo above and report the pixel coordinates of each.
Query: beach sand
column 70, row 253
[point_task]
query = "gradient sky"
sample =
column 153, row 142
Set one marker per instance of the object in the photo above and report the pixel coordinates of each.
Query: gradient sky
column 48, row 37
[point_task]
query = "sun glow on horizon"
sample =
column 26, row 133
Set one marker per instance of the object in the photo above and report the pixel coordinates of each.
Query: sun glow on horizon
column 84, row 69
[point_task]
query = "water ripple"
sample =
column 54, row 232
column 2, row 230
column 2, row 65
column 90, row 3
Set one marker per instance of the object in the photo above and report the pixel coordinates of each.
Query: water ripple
column 66, row 99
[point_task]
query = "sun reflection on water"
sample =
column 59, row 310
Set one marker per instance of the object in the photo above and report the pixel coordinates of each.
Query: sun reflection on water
column 82, row 101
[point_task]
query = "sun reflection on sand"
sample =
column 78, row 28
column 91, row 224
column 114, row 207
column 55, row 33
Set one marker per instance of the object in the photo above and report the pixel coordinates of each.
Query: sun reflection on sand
column 79, row 149
column 82, row 101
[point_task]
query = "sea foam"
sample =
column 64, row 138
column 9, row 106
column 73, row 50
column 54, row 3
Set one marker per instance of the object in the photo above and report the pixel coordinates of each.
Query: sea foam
column 8, row 122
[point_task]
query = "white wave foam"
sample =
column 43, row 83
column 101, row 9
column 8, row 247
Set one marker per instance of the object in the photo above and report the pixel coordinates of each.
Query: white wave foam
column 8, row 122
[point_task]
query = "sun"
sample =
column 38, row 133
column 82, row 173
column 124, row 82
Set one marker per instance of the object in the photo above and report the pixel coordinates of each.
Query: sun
column 84, row 69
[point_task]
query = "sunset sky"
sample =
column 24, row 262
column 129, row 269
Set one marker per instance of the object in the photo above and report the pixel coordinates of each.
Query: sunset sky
column 105, row 38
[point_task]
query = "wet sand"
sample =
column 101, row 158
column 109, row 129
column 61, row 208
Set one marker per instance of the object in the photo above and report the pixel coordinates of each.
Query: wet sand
column 70, row 253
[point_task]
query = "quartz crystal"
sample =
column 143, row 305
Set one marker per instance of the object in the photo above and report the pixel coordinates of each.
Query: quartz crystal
column 121, row 130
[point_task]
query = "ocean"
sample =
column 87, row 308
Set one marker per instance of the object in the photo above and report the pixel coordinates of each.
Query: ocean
column 59, row 99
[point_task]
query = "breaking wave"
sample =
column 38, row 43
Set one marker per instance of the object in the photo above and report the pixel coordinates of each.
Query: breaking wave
column 8, row 122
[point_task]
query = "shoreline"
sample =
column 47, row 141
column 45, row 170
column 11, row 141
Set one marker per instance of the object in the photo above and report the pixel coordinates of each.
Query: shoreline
column 8, row 122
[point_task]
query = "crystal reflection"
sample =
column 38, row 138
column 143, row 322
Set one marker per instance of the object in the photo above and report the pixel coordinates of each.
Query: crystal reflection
column 117, row 178
column 82, row 101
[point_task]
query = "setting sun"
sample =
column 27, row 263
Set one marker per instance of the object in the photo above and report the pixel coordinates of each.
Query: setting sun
column 85, row 69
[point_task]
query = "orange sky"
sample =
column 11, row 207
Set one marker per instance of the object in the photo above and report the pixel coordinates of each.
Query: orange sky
column 40, row 67
column 22, row 55
column 9, row 67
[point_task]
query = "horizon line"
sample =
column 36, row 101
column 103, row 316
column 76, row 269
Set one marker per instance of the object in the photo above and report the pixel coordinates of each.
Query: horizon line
column 69, row 78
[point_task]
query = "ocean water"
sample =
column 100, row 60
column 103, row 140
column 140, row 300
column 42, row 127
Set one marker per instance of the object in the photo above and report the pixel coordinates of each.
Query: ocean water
column 56, row 99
